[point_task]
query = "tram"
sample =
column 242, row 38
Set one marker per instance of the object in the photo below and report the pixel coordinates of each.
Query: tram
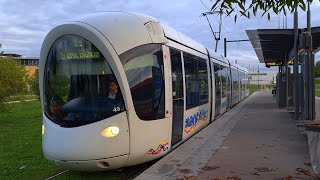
column 119, row 89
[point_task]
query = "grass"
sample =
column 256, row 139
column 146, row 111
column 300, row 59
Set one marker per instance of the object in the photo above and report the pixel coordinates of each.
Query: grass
column 21, row 154
column 253, row 88
column 20, row 139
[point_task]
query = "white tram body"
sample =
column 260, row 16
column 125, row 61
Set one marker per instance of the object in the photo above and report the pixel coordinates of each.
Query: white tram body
column 169, row 88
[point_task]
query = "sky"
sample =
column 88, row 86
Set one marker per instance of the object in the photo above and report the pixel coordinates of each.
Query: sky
column 25, row 23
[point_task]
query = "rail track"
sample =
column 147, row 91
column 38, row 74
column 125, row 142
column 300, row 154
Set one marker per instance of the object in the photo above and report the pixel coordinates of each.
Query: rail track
column 122, row 174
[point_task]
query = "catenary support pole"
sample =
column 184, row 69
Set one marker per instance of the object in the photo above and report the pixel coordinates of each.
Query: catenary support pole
column 225, row 47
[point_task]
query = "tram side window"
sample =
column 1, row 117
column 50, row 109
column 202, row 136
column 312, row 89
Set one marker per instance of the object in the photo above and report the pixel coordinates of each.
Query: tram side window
column 203, row 81
column 224, row 80
column 217, row 79
column 192, row 87
column 196, row 74
column 238, row 78
column 177, row 75
column 144, row 70
column 239, row 82
column 235, row 79
column 228, row 80
column 246, row 82
column 242, row 82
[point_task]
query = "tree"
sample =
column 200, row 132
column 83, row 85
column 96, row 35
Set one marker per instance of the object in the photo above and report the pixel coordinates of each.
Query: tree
column 13, row 80
column 34, row 83
column 317, row 69
column 1, row 52
column 232, row 6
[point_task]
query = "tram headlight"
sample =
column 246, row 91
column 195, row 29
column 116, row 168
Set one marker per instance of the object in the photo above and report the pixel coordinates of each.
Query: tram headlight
column 43, row 129
column 110, row 131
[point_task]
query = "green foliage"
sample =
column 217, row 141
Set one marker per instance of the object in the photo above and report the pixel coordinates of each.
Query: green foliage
column 20, row 138
column 317, row 69
column 21, row 155
column 61, row 86
column 13, row 80
column 253, row 88
column 317, row 87
column 34, row 83
column 266, row 6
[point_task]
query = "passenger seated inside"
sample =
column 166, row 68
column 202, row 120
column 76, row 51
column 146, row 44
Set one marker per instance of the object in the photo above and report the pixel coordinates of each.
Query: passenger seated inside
column 114, row 92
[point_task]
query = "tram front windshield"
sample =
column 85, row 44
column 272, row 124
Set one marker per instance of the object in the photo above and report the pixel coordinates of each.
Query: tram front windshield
column 79, row 86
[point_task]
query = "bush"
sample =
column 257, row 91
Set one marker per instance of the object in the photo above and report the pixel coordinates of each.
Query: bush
column 317, row 69
column 34, row 83
column 13, row 80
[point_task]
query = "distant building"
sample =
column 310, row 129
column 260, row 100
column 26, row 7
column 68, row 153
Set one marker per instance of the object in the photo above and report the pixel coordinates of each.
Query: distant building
column 263, row 77
column 31, row 64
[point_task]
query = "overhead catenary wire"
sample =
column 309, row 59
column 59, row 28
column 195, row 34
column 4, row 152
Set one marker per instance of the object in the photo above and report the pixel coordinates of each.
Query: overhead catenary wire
column 217, row 20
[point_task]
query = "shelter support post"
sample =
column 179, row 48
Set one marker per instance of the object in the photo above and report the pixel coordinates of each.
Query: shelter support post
column 310, row 84
column 307, row 72
column 295, row 67
column 287, row 78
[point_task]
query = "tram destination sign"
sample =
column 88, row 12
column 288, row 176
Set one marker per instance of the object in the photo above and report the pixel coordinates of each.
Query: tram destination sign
column 79, row 55
column 72, row 47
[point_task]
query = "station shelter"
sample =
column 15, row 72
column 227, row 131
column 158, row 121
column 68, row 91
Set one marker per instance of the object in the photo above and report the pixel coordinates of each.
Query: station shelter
column 275, row 47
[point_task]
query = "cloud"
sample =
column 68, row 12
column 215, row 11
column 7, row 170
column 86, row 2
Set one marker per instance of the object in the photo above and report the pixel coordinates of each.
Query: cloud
column 316, row 3
column 24, row 24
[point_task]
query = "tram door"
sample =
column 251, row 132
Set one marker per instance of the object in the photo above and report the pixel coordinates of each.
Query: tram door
column 177, row 96
column 218, row 89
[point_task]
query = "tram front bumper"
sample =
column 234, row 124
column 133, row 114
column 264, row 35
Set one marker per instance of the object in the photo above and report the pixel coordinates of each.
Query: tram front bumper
column 87, row 146
column 93, row 165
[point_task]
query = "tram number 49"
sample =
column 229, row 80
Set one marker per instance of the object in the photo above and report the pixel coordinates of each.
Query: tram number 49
column 116, row 109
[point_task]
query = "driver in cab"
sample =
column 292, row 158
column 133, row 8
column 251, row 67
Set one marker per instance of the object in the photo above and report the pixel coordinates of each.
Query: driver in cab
column 114, row 92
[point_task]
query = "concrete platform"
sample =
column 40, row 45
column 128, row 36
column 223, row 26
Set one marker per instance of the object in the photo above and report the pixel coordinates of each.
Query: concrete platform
column 317, row 104
column 314, row 141
column 254, row 140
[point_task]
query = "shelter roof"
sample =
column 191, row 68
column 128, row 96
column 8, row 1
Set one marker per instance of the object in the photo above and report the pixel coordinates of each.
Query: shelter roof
column 274, row 46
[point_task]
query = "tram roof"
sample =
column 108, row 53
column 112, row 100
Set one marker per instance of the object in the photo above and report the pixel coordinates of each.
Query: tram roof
column 276, row 45
column 218, row 57
column 183, row 39
column 143, row 29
